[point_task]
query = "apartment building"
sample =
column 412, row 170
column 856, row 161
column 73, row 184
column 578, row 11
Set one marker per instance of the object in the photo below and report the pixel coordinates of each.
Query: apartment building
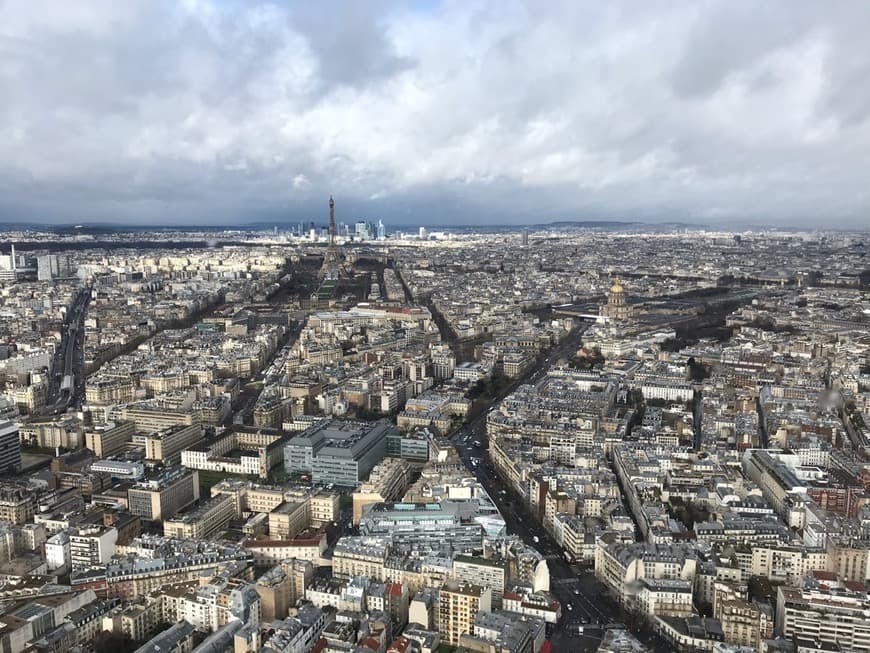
column 17, row 505
column 202, row 522
column 273, row 552
column 483, row 572
column 288, row 519
column 249, row 497
column 150, row 417
column 458, row 605
column 505, row 632
column 50, row 432
column 27, row 620
column 57, row 551
column 178, row 638
column 246, row 453
column 212, row 605
column 137, row 621
column 324, row 509
column 10, row 448
column 92, row 545
column 134, row 578
column 106, row 391
column 360, row 556
column 744, row 623
column 664, row 597
column 281, row 587
column 161, row 497
column 388, row 481
column 621, row 565
column 775, row 478
column 299, row 633
column 264, row 499
column 110, row 438
column 31, row 398
column 167, row 444
column 849, row 558
column 788, row 564
column 542, row 605
column 830, row 613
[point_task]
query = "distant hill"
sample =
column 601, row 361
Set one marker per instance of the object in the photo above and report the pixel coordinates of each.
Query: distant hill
column 591, row 224
column 618, row 224
column 103, row 229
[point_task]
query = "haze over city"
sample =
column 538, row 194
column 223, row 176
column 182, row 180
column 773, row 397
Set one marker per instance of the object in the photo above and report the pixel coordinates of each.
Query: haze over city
column 228, row 112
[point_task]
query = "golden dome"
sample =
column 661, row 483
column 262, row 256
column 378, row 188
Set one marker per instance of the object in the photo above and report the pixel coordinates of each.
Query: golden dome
column 616, row 287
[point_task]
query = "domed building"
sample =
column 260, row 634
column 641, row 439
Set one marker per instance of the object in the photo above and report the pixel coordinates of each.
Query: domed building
column 616, row 308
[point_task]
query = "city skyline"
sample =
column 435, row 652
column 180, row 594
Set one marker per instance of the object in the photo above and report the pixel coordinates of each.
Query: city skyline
column 434, row 327
column 435, row 113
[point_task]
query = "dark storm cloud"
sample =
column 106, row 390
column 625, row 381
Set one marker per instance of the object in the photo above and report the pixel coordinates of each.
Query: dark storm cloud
column 449, row 112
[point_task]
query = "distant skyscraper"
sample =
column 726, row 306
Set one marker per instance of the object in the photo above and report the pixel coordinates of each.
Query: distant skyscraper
column 46, row 267
column 525, row 238
column 422, row 233
column 7, row 266
column 382, row 231
column 52, row 266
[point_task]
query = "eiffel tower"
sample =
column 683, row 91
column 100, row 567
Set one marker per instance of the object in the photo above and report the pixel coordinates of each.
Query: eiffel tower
column 332, row 258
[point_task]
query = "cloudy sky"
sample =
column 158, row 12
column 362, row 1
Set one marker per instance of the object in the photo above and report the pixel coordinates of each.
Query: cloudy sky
column 435, row 112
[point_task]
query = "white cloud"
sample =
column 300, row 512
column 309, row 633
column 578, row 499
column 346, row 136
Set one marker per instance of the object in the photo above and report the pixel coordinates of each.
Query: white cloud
column 301, row 182
column 508, row 111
